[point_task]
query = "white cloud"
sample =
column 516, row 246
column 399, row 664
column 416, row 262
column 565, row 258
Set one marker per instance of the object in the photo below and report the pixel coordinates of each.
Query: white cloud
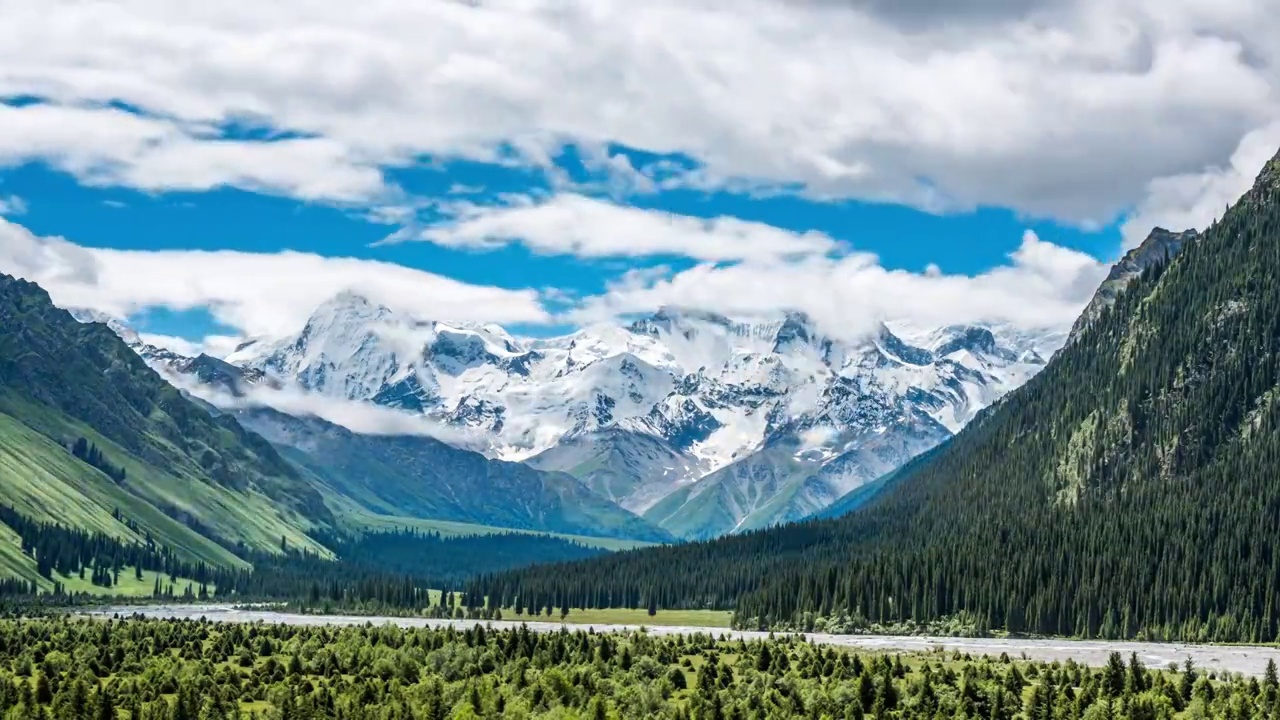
column 569, row 224
column 104, row 146
column 1042, row 286
column 356, row 416
column 12, row 205
column 1065, row 109
column 256, row 293
column 1194, row 200
column 214, row 345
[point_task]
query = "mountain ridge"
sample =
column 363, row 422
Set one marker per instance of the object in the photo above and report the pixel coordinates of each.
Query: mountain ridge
column 699, row 390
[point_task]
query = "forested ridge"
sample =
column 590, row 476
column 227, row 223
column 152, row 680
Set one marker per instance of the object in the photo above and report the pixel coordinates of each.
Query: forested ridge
column 187, row 670
column 1129, row 489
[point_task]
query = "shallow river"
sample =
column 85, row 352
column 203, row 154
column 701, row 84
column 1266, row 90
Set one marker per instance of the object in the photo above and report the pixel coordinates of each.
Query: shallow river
column 1236, row 658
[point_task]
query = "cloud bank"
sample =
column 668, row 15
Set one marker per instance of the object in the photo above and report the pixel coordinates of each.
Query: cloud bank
column 255, row 293
column 1042, row 285
column 1068, row 109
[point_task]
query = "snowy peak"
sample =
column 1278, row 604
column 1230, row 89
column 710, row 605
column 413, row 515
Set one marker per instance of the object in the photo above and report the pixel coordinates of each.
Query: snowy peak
column 121, row 329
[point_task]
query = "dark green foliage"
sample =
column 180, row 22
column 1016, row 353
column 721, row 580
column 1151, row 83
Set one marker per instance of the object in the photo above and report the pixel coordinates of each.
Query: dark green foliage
column 1128, row 490
column 390, row 571
column 170, row 670
column 70, row 551
column 450, row 560
column 90, row 453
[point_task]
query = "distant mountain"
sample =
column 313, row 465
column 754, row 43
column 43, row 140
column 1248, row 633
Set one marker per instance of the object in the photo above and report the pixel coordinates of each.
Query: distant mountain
column 197, row 483
column 421, row 477
column 1128, row 490
column 1159, row 247
column 702, row 423
column 634, row 469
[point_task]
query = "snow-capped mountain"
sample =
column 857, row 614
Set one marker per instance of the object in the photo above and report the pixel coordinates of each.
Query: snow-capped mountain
column 699, row 422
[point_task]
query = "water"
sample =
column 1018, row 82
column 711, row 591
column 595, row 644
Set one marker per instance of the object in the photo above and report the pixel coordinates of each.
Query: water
column 1247, row 659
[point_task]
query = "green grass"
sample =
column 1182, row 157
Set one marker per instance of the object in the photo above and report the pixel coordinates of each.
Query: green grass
column 13, row 562
column 356, row 519
column 129, row 585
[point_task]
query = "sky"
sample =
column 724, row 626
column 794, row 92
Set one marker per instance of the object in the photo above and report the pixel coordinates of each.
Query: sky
column 215, row 171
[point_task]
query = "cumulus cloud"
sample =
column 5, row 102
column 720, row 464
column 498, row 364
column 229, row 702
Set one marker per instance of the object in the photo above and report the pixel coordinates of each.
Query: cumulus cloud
column 108, row 146
column 1042, row 286
column 1061, row 108
column 256, row 293
column 570, row 224
column 1194, row 200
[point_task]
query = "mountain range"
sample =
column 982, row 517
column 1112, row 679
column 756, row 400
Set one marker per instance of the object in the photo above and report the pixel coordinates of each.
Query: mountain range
column 1127, row 490
column 698, row 423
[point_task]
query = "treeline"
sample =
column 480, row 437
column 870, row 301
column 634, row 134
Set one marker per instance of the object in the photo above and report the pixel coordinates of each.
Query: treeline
column 69, row 551
column 448, row 561
column 90, row 453
column 1125, row 491
column 187, row 670
column 389, row 570
column 392, row 570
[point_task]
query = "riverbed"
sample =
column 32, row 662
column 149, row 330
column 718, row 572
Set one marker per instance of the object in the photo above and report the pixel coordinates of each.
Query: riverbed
column 1247, row 659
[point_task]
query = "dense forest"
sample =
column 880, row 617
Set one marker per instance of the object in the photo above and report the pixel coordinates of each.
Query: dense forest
column 187, row 670
column 1128, row 490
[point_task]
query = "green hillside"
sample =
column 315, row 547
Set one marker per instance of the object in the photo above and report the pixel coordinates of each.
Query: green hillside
column 1128, row 489
column 199, row 485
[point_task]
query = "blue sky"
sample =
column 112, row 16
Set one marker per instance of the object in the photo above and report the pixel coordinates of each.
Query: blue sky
column 546, row 165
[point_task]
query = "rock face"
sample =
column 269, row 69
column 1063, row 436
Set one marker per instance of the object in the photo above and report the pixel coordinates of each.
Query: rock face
column 683, row 416
column 1159, row 247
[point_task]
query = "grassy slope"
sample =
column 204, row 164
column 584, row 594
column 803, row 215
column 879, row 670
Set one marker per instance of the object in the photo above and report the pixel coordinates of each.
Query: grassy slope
column 13, row 563
column 64, row 379
column 44, row 481
column 247, row 516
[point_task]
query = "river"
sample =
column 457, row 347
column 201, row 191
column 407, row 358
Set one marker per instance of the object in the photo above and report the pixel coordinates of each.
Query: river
column 1248, row 659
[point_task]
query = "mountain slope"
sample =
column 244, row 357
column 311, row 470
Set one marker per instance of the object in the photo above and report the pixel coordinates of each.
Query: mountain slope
column 1159, row 247
column 633, row 469
column 169, row 466
column 421, row 477
column 1127, row 489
